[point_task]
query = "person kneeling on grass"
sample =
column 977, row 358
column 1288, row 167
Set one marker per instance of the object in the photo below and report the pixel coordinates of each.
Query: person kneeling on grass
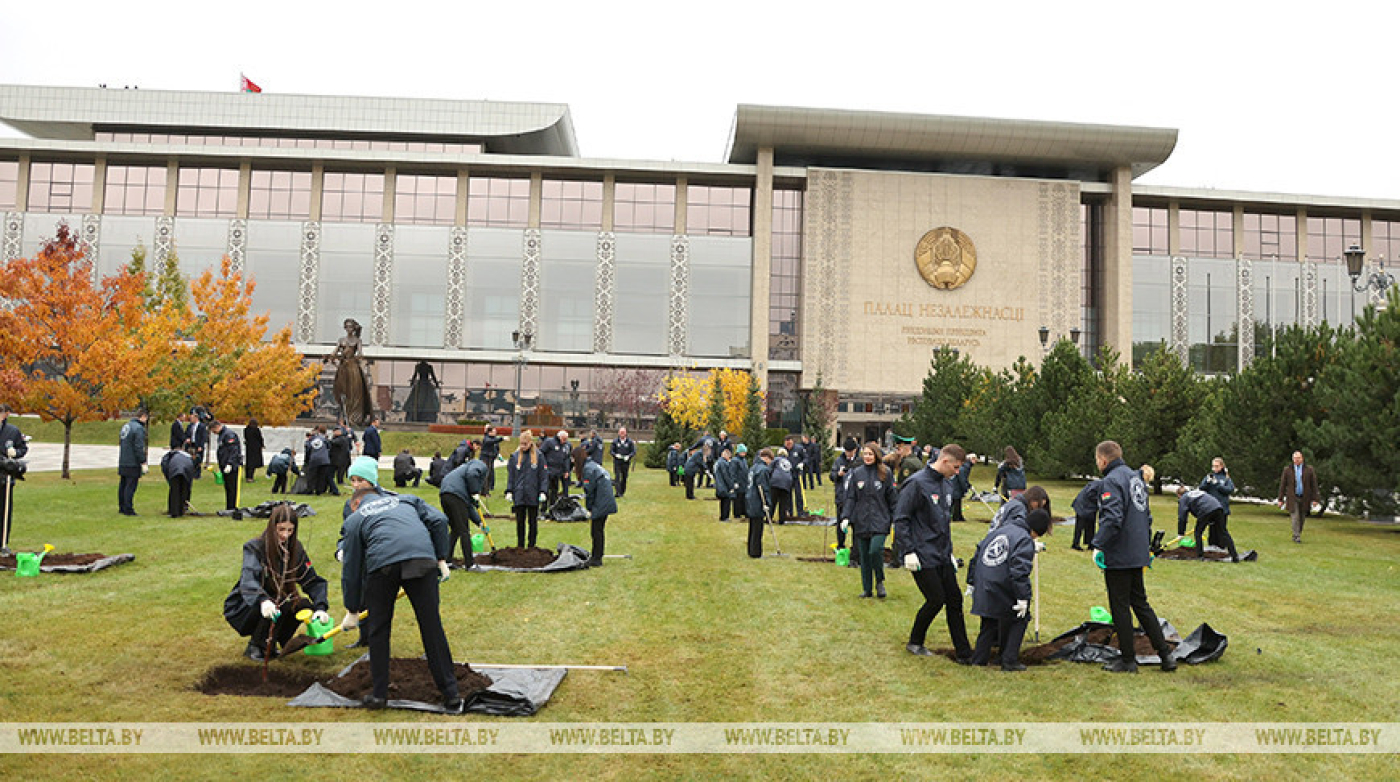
column 265, row 600
column 1209, row 515
column 598, row 497
column 999, row 580
column 394, row 541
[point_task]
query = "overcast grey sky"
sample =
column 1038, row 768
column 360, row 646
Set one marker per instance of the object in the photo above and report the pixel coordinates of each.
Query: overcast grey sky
column 1279, row 97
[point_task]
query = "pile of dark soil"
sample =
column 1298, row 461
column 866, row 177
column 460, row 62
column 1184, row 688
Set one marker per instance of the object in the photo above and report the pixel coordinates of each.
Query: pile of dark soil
column 1040, row 655
column 809, row 517
column 816, row 559
column 55, row 558
column 247, row 679
column 1190, row 553
column 409, row 680
column 517, row 557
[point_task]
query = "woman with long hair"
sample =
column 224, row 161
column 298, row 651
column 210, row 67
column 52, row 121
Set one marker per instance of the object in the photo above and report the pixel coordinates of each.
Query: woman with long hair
column 868, row 512
column 527, row 480
column 264, row 603
column 1011, row 475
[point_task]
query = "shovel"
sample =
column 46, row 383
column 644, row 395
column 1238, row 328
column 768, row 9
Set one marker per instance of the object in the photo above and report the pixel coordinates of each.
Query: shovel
column 302, row 641
column 485, row 528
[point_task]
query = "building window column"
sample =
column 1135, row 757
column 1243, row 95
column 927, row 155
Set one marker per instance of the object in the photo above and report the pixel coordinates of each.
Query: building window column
column 680, row 294
column 310, row 261
column 1244, row 313
column 603, row 290
column 383, row 280
column 1181, row 297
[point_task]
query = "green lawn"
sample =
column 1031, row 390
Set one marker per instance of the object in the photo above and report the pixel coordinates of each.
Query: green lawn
column 707, row 635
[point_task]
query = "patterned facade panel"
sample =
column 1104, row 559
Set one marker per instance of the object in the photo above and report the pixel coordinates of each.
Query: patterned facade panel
column 383, row 283
column 165, row 240
column 456, row 286
column 830, row 208
column 1310, row 317
column 1181, row 332
column 530, row 282
column 603, row 293
column 1244, row 313
column 14, row 235
column 237, row 244
column 90, row 240
column 310, row 263
column 680, row 295
column 1059, row 274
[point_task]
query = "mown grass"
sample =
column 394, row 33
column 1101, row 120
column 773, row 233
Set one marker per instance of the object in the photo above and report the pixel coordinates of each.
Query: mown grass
column 707, row 635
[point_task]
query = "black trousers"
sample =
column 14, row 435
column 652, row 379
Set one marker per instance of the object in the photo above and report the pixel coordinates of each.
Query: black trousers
column 690, row 480
column 381, row 588
column 279, row 483
column 7, row 513
column 338, row 472
column 231, row 488
column 526, row 515
column 126, row 492
column 756, row 537
column 957, row 514
column 1215, row 520
column 724, row 507
column 1005, row 633
column 808, row 480
column 798, row 504
column 939, row 585
column 490, row 477
column 597, row 528
column 670, row 473
column 782, row 504
column 1128, row 597
column 461, row 514
column 558, row 485
column 401, row 479
column 178, row 498
column 1084, row 525
column 736, row 506
column 620, row 469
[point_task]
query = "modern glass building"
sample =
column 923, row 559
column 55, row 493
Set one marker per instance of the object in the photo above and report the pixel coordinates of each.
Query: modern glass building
column 455, row 230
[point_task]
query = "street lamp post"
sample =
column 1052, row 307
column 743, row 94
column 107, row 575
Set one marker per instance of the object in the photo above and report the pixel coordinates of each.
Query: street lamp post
column 1044, row 339
column 522, row 344
column 1356, row 259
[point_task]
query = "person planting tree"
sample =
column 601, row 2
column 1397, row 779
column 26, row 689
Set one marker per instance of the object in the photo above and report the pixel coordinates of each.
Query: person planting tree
column 264, row 602
column 999, row 579
column 598, row 497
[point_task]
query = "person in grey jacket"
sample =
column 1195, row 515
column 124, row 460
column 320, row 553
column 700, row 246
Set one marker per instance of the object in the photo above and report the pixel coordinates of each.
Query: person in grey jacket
column 390, row 542
column 131, row 462
column 999, row 575
column 600, row 501
column 921, row 530
column 1122, row 549
column 867, row 513
column 759, row 501
column 460, row 495
column 1209, row 514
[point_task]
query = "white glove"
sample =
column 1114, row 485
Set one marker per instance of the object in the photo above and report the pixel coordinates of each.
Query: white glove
column 320, row 617
column 953, row 559
column 228, row 468
column 1021, row 607
column 340, row 555
column 845, row 524
column 145, row 468
column 351, row 621
column 476, row 499
column 1039, row 547
column 444, row 572
column 509, row 499
column 969, row 591
column 269, row 611
column 542, row 497
column 10, row 452
column 911, row 562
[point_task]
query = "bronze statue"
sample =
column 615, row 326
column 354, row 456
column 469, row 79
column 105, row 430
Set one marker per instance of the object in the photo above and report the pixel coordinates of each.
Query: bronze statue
column 351, row 387
column 423, row 403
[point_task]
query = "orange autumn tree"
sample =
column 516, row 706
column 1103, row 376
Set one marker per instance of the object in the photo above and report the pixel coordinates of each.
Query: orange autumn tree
column 225, row 363
column 73, row 350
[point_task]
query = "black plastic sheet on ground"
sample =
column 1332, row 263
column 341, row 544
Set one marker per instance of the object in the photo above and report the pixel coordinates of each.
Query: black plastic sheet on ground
column 568, row 508
column 91, row 567
column 569, row 558
column 1203, row 645
column 514, row 692
column 263, row 510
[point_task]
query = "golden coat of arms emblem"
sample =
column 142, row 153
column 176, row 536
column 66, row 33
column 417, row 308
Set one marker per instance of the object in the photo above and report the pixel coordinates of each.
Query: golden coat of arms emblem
column 946, row 258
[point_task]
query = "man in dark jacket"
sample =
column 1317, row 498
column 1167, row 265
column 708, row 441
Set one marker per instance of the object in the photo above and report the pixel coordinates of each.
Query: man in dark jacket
column 179, row 469
column 623, row 450
column 675, row 460
column 253, row 444
column 197, row 435
column 962, row 484
column 739, row 478
column 593, row 447
column 759, row 502
column 281, row 464
column 1123, row 540
column 392, row 542
column 601, row 503
column 921, row 530
column 437, row 468
column 694, row 468
column 230, row 457
column 318, row 462
column 1297, row 492
column 1086, row 512
column 177, row 432
column 406, row 469
column 13, row 445
column 842, row 465
column 1209, row 514
column 999, row 574
column 340, row 455
column 458, row 456
column 783, row 480
column 816, row 453
column 131, row 462
column 558, row 456
column 372, row 446
column 796, row 455
column 490, row 450
column 724, row 483
column 460, row 495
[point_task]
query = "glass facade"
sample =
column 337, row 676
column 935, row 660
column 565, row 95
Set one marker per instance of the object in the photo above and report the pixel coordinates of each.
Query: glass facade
column 1212, row 316
column 425, row 200
column 1329, row 237
column 1385, row 243
column 1207, row 234
column 60, row 187
column 720, row 291
column 1278, row 301
column 272, row 259
column 571, row 205
column 492, row 290
column 352, row 198
column 785, row 284
column 134, row 190
column 418, row 298
column 1152, row 313
column 498, row 202
column 1270, row 237
column 207, row 192
column 1150, row 230
column 279, row 195
column 345, row 280
column 641, row 316
column 568, row 272
column 9, row 184
column 644, row 208
column 717, row 211
column 201, row 140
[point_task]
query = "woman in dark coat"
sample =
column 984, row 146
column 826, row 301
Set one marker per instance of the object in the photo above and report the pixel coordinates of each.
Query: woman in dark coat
column 264, row 603
column 253, row 441
column 868, row 512
column 527, row 480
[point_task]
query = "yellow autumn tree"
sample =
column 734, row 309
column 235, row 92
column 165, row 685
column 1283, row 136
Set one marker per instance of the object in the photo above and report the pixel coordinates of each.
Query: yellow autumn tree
column 734, row 385
column 687, row 400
